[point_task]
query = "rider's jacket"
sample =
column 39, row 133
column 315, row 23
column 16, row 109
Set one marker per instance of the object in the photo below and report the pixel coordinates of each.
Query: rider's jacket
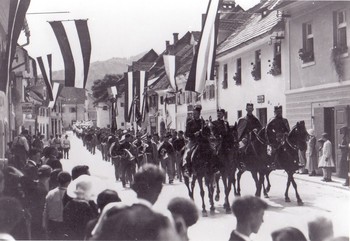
column 129, row 146
column 221, row 128
column 192, row 127
column 276, row 129
column 246, row 124
column 165, row 148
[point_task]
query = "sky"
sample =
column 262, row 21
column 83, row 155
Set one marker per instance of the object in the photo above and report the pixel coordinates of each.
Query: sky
column 118, row 28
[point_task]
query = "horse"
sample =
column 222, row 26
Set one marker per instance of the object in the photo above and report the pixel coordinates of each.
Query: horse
column 255, row 159
column 286, row 156
column 203, row 160
column 227, row 152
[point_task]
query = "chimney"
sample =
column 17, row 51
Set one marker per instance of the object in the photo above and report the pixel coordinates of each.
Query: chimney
column 176, row 37
column 167, row 43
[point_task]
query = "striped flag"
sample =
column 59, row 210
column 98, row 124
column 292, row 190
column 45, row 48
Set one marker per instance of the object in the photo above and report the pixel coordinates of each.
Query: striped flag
column 55, row 90
column 112, row 90
column 12, row 17
column 136, row 84
column 204, row 59
column 74, row 40
column 46, row 71
column 170, row 69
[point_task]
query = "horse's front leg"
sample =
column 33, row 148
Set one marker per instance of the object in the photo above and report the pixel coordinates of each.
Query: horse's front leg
column 257, row 183
column 227, row 194
column 286, row 197
column 217, row 179
column 200, row 183
column 239, row 175
column 300, row 202
column 209, row 181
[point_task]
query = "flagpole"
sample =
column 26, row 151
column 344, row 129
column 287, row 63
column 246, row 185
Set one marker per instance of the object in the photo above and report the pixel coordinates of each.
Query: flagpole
column 135, row 124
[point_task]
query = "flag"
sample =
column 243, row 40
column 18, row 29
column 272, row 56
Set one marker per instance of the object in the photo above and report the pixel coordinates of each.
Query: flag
column 55, row 90
column 204, row 59
column 74, row 40
column 136, row 95
column 112, row 90
column 17, row 10
column 46, row 72
column 170, row 69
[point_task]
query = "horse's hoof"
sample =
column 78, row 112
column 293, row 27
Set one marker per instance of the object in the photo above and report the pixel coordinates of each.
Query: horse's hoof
column 217, row 198
column 228, row 211
column 237, row 194
column 268, row 189
column 300, row 203
column 204, row 214
column 212, row 210
column 287, row 200
column 266, row 195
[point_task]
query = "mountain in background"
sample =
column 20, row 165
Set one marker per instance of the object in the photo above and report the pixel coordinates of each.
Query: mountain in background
column 99, row 69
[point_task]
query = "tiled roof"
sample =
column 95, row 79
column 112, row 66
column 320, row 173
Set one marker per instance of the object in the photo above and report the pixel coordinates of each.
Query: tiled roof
column 139, row 66
column 255, row 27
column 151, row 56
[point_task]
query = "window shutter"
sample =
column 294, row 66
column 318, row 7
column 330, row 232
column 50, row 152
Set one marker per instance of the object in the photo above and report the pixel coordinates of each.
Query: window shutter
column 335, row 28
column 304, row 37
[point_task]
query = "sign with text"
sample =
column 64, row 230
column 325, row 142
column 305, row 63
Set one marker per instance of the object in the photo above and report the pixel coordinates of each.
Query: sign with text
column 27, row 108
column 261, row 99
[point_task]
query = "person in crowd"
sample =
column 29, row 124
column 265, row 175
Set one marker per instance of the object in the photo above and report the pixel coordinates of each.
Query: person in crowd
column 76, row 172
column 20, row 147
column 167, row 154
column 104, row 198
column 33, row 164
column 288, row 234
column 38, row 142
column 185, row 215
column 51, row 141
column 179, row 147
column 11, row 215
column 150, row 150
column 326, row 159
column 312, row 163
column 53, row 210
column 127, row 163
column 138, row 143
column 114, row 154
column 302, row 162
column 137, row 223
column 51, row 157
column 53, row 181
column 247, row 124
column 81, row 209
column 66, row 147
column 57, row 142
column 320, row 229
column 44, row 174
column 148, row 183
column 193, row 130
column 94, row 142
column 344, row 159
column 173, row 136
column 249, row 212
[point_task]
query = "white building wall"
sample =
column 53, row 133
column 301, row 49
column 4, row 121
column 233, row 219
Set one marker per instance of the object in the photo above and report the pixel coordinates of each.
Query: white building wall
column 235, row 97
column 103, row 116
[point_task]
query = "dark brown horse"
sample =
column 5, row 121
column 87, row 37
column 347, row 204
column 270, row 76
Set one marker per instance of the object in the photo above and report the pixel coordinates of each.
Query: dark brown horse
column 254, row 158
column 203, row 162
column 287, row 158
column 227, row 152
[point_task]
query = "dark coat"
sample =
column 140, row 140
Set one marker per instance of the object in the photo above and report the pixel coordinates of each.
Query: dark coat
column 235, row 237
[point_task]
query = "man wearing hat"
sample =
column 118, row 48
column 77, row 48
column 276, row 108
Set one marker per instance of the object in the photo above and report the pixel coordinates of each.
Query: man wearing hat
column 193, row 128
column 277, row 129
column 344, row 160
column 167, row 154
column 221, row 127
column 247, row 124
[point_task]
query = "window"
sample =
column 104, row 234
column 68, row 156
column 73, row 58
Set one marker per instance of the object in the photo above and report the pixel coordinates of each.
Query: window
column 256, row 71
column 238, row 74
column 262, row 115
column 276, row 65
column 211, row 92
column 224, row 82
column 339, row 31
column 72, row 110
column 306, row 54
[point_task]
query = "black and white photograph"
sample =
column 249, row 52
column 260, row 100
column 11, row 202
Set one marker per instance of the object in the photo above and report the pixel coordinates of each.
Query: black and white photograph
column 175, row 120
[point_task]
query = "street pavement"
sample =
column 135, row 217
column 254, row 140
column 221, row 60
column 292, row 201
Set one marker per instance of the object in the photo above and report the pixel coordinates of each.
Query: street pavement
column 320, row 199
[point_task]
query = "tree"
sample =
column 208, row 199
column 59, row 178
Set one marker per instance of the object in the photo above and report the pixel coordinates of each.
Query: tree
column 100, row 86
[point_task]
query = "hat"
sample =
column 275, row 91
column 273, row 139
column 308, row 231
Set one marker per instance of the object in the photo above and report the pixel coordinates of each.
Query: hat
column 168, row 134
column 86, row 187
column 325, row 136
column 44, row 170
column 278, row 107
column 311, row 132
column 197, row 107
column 222, row 111
column 250, row 105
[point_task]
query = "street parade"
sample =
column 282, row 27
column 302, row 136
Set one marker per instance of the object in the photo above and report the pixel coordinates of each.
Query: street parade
column 238, row 130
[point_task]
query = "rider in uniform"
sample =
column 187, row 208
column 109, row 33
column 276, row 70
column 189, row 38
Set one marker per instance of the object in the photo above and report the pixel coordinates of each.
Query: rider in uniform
column 220, row 126
column 192, row 132
column 277, row 129
column 247, row 124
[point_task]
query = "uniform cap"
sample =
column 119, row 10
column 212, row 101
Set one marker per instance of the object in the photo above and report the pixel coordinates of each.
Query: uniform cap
column 221, row 110
column 250, row 105
column 197, row 107
column 278, row 107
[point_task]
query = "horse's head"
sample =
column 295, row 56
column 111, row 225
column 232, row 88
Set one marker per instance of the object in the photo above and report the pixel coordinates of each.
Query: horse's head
column 298, row 136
